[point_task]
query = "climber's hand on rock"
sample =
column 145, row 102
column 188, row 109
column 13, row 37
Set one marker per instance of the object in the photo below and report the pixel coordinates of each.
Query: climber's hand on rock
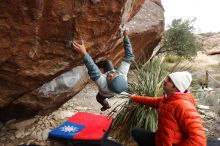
column 80, row 47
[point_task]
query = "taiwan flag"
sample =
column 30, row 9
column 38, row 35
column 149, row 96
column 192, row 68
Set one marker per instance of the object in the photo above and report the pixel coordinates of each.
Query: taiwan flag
column 67, row 130
column 83, row 127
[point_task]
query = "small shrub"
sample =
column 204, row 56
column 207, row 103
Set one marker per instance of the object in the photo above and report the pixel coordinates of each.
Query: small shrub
column 172, row 59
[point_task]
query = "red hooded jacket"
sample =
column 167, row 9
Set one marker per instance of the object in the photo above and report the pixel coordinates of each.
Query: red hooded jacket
column 179, row 123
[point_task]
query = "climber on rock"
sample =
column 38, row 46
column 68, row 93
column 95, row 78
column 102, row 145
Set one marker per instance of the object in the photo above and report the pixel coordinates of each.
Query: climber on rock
column 112, row 81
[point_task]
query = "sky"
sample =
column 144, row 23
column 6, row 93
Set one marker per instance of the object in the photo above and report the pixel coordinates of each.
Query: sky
column 207, row 13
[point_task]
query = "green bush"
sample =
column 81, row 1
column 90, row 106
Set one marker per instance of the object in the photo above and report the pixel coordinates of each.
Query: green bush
column 179, row 39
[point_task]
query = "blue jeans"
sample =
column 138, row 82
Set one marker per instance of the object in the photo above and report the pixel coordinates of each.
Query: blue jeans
column 143, row 137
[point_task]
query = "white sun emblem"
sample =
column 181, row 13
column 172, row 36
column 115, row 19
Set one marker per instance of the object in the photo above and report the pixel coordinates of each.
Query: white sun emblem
column 69, row 129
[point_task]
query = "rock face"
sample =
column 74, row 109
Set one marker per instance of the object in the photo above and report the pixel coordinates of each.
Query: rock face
column 210, row 43
column 35, row 48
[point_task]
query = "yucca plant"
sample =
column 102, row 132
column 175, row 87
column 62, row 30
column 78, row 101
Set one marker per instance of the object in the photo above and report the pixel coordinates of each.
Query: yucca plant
column 147, row 81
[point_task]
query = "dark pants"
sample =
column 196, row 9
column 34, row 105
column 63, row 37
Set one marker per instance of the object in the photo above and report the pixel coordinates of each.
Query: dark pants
column 102, row 100
column 143, row 137
column 106, row 65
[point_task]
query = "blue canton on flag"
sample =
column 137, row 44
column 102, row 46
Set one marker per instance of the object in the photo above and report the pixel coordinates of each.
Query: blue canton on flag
column 67, row 130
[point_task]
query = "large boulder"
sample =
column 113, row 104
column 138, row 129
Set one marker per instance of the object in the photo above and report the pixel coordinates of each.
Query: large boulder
column 38, row 65
column 210, row 43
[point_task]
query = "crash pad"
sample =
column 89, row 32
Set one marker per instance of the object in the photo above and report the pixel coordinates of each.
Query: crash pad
column 83, row 128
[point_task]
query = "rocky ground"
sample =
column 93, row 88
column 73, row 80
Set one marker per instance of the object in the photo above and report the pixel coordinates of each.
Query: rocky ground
column 35, row 130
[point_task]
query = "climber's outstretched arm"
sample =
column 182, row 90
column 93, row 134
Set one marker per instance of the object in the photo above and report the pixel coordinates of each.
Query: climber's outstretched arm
column 128, row 56
column 93, row 69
